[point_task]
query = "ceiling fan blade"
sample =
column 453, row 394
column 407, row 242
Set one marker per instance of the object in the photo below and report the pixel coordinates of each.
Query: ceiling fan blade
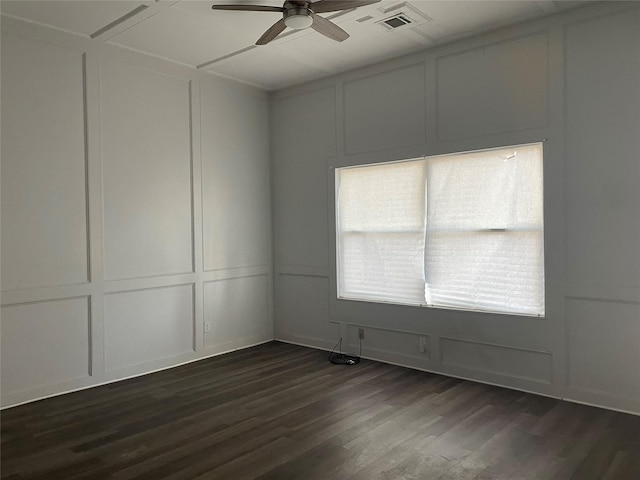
column 328, row 28
column 249, row 8
column 275, row 30
column 333, row 6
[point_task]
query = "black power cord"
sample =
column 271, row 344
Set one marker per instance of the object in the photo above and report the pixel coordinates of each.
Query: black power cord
column 344, row 358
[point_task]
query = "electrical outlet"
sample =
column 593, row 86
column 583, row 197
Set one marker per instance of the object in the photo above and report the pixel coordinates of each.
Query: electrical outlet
column 207, row 327
column 361, row 333
column 422, row 344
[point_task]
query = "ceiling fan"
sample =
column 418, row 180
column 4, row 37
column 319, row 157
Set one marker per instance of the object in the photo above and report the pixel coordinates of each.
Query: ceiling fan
column 301, row 14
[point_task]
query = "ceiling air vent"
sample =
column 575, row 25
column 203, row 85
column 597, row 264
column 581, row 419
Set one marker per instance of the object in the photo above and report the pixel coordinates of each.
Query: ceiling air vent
column 396, row 21
column 397, row 17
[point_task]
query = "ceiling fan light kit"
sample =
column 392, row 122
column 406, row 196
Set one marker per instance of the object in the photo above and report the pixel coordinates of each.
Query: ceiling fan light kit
column 301, row 14
column 298, row 18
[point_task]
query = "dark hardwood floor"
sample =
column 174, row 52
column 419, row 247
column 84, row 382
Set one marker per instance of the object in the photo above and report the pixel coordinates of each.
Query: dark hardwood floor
column 279, row 411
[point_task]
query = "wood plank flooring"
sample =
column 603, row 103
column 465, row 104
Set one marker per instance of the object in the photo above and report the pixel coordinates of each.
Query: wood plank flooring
column 279, row 411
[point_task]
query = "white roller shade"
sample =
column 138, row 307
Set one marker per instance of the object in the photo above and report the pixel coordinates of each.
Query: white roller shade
column 461, row 231
column 380, row 223
column 485, row 246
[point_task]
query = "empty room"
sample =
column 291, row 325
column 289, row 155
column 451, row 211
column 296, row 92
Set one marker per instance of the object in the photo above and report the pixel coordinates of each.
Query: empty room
column 323, row 239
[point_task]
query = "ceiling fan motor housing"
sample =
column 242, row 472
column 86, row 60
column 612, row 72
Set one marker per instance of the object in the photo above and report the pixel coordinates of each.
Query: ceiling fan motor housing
column 297, row 15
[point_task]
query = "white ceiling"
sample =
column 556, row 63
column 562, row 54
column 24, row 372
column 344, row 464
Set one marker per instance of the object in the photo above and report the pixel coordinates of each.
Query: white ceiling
column 222, row 42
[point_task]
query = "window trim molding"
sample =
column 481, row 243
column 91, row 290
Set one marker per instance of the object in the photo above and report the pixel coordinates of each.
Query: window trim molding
column 381, row 158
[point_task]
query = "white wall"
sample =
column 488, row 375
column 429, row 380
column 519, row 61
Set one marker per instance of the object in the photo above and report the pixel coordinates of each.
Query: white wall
column 135, row 208
column 572, row 80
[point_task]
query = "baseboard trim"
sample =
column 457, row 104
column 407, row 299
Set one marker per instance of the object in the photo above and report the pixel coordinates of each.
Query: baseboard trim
column 462, row 377
column 107, row 382
column 324, row 348
column 300, row 341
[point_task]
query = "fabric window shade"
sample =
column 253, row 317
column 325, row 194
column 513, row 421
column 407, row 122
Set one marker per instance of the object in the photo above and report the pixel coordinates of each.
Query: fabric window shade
column 484, row 236
column 457, row 231
column 381, row 231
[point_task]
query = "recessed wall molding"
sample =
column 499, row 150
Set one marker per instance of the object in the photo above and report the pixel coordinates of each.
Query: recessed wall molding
column 246, row 300
column 513, row 362
column 44, row 246
column 306, row 123
column 476, row 81
column 115, row 286
column 50, row 299
column 44, row 294
column 131, row 316
column 239, row 272
column 45, row 343
column 603, row 293
column 303, row 270
column 194, row 240
column 234, row 178
column 612, row 329
column 131, row 188
column 145, row 141
column 369, row 125
column 544, row 80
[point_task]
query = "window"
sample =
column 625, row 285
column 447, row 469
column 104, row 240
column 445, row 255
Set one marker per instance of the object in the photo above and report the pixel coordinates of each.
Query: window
column 460, row 231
